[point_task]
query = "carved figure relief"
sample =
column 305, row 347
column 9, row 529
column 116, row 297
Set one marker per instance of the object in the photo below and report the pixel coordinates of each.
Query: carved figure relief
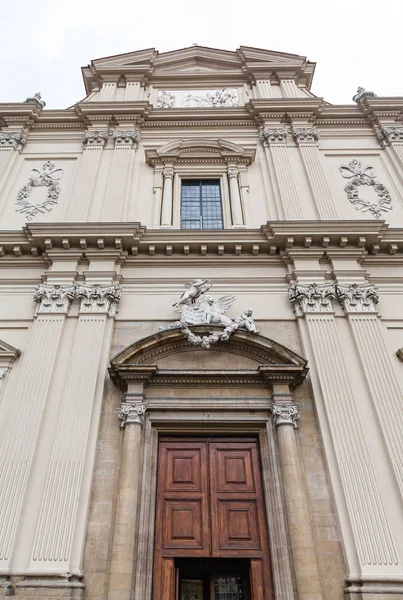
column 359, row 176
column 198, row 98
column 196, row 308
column 48, row 178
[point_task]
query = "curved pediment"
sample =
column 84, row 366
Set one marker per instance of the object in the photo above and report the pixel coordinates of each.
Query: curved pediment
column 245, row 357
column 184, row 149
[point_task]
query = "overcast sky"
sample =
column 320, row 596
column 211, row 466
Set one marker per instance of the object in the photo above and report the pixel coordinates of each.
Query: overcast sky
column 44, row 43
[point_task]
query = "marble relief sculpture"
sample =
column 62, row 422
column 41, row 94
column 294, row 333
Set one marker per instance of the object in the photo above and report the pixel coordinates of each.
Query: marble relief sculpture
column 198, row 308
column 198, row 98
column 48, row 178
column 359, row 176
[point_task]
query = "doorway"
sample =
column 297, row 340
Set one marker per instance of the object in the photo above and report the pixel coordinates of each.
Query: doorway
column 211, row 533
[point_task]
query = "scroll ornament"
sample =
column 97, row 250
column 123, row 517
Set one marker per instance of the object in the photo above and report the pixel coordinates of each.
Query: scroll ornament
column 48, row 178
column 199, row 308
column 359, row 176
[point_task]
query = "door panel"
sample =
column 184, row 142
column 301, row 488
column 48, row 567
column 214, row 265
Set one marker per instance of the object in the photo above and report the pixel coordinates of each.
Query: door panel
column 238, row 526
column 183, row 524
column 234, row 498
column 210, row 504
column 182, row 499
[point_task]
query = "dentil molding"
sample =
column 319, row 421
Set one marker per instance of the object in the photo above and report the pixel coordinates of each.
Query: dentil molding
column 357, row 298
column 285, row 414
column 53, row 298
column 131, row 413
column 311, row 298
column 99, row 298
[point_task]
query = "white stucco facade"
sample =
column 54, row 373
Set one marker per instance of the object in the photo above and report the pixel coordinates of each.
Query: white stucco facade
column 92, row 257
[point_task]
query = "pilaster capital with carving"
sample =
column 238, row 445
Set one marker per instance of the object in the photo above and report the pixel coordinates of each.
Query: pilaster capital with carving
column 285, row 414
column 305, row 135
column 95, row 138
column 392, row 134
column 311, row 298
column 357, row 298
column 53, row 298
column 168, row 174
column 273, row 136
column 126, row 138
column 12, row 139
column 99, row 298
column 233, row 173
column 131, row 413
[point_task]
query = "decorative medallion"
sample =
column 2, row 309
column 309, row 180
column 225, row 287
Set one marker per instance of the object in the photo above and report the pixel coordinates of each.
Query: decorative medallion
column 48, row 178
column 359, row 176
column 198, row 308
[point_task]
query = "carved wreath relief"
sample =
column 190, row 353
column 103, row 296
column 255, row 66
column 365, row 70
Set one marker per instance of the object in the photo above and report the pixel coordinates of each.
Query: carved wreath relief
column 47, row 177
column 198, row 308
column 360, row 175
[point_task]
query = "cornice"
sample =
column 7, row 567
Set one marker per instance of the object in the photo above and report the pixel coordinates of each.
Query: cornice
column 133, row 241
column 279, row 109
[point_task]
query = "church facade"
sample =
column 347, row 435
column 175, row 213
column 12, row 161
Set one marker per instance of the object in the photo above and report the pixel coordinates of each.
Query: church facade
column 201, row 335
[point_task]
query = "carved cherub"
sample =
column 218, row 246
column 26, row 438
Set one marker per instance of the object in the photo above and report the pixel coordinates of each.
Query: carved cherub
column 194, row 290
column 245, row 321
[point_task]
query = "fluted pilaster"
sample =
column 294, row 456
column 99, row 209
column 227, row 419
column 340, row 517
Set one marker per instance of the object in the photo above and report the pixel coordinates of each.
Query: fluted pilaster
column 21, row 415
column 86, row 175
column 275, row 141
column 119, row 176
column 359, row 304
column 306, row 138
column 55, row 530
column 370, row 527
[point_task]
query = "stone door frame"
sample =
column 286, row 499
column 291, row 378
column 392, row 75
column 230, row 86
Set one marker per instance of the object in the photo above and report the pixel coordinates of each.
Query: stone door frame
column 260, row 425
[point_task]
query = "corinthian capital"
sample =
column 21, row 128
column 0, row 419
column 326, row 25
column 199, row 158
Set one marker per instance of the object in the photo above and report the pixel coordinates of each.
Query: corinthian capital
column 95, row 138
column 233, row 173
column 285, row 414
column 131, row 413
column 126, row 138
column 99, row 298
column 168, row 174
column 53, row 298
column 357, row 298
column 304, row 135
column 311, row 298
column 12, row 139
column 272, row 136
column 392, row 134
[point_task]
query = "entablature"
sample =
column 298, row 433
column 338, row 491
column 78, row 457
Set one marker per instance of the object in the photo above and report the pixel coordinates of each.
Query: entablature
column 130, row 242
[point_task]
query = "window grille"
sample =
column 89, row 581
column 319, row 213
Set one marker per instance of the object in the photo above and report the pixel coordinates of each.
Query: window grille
column 201, row 204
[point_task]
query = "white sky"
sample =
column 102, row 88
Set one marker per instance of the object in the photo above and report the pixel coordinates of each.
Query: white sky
column 43, row 43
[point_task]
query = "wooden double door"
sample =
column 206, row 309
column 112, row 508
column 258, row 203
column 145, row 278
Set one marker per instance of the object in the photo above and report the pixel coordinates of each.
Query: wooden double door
column 210, row 507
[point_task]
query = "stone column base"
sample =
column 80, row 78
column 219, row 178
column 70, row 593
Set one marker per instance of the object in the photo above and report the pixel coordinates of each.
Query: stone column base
column 373, row 589
column 51, row 587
